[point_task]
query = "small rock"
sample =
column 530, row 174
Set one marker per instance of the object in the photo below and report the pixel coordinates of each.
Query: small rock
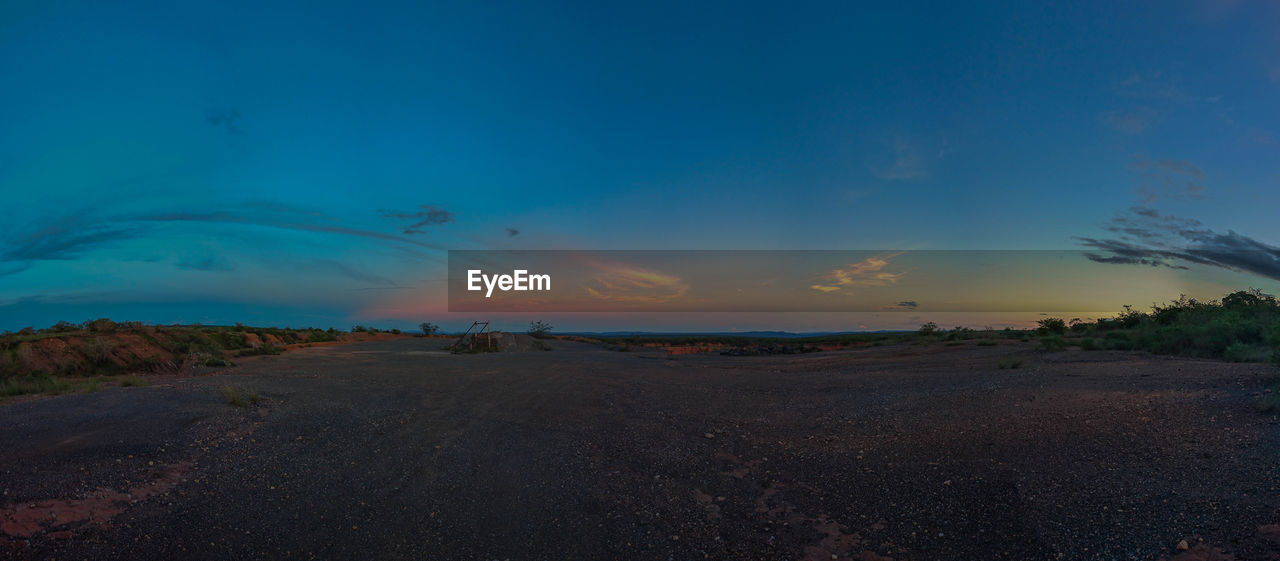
column 709, row 435
column 1183, row 546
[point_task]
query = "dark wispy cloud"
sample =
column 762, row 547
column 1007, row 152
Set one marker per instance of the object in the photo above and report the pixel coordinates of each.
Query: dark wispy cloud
column 276, row 222
column 1145, row 236
column 57, row 239
column 512, row 232
column 204, row 263
column 905, row 305
column 72, row 236
column 1171, row 179
column 1132, row 121
column 427, row 215
column 342, row 269
column 227, row 119
column 1152, row 85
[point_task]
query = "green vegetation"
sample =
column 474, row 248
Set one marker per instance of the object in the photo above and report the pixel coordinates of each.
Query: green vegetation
column 1051, row 325
column 1011, row 364
column 540, row 328
column 1052, row 343
column 267, row 349
column 429, row 328
column 240, row 397
column 103, row 347
column 44, row 383
column 317, row 336
column 1243, row 326
column 1270, row 400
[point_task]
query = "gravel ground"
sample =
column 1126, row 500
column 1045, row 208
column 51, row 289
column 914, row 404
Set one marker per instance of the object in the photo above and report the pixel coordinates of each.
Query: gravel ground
column 392, row 450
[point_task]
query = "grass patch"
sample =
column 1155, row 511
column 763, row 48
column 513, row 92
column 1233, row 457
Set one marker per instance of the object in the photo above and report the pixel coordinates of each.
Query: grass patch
column 240, row 397
column 42, row 383
column 1009, row 364
column 987, row 343
column 1270, row 400
column 1052, row 343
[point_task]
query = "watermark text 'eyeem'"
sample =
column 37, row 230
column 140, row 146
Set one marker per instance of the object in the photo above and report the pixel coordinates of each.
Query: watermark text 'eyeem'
column 519, row 280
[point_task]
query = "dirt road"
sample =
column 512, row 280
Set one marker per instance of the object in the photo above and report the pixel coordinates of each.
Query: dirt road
column 392, row 450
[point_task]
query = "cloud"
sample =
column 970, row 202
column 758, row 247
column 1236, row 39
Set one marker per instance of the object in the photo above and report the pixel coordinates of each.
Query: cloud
column 72, row 236
column 1148, row 237
column 206, row 263
column 1154, row 86
column 62, row 238
column 512, row 232
column 227, row 119
column 911, row 304
column 624, row 283
column 429, row 215
column 1132, row 121
column 236, row 218
column 865, row 273
column 1170, row 179
column 908, row 163
column 329, row 265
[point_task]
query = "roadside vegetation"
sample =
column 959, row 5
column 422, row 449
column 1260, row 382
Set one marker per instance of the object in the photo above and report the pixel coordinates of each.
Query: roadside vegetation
column 240, row 397
column 43, row 383
column 73, row 357
column 1243, row 326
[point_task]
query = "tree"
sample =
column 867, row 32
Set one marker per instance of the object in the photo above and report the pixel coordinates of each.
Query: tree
column 1052, row 325
column 928, row 329
column 539, row 328
column 429, row 328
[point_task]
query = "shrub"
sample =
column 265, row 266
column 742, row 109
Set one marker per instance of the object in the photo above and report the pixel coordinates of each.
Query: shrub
column 1051, row 325
column 321, row 337
column 927, row 329
column 100, row 325
column 429, row 328
column 267, row 349
column 1240, row 352
column 1052, row 343
column 539, row 328
column 39, row 382
column 1088, row 344
column 1270, row 400
column 63, row 327
column 233, row 397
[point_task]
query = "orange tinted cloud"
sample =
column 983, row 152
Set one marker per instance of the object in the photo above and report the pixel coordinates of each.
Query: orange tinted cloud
column 630, row 284
column 868, row 272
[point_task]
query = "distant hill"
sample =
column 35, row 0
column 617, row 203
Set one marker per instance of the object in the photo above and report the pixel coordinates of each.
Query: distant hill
column 752, row 334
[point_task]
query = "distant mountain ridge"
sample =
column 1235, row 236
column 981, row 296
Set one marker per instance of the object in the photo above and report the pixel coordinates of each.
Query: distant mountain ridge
column 757, row 334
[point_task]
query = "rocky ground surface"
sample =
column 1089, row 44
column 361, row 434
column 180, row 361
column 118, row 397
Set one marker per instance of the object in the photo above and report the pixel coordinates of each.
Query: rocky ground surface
column 397, row 450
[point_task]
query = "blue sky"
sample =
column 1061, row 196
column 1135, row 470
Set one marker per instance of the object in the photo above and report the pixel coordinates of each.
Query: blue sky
column 212, row 162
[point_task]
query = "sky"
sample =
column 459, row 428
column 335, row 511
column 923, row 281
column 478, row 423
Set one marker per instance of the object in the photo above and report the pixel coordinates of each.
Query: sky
column 279, row 164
